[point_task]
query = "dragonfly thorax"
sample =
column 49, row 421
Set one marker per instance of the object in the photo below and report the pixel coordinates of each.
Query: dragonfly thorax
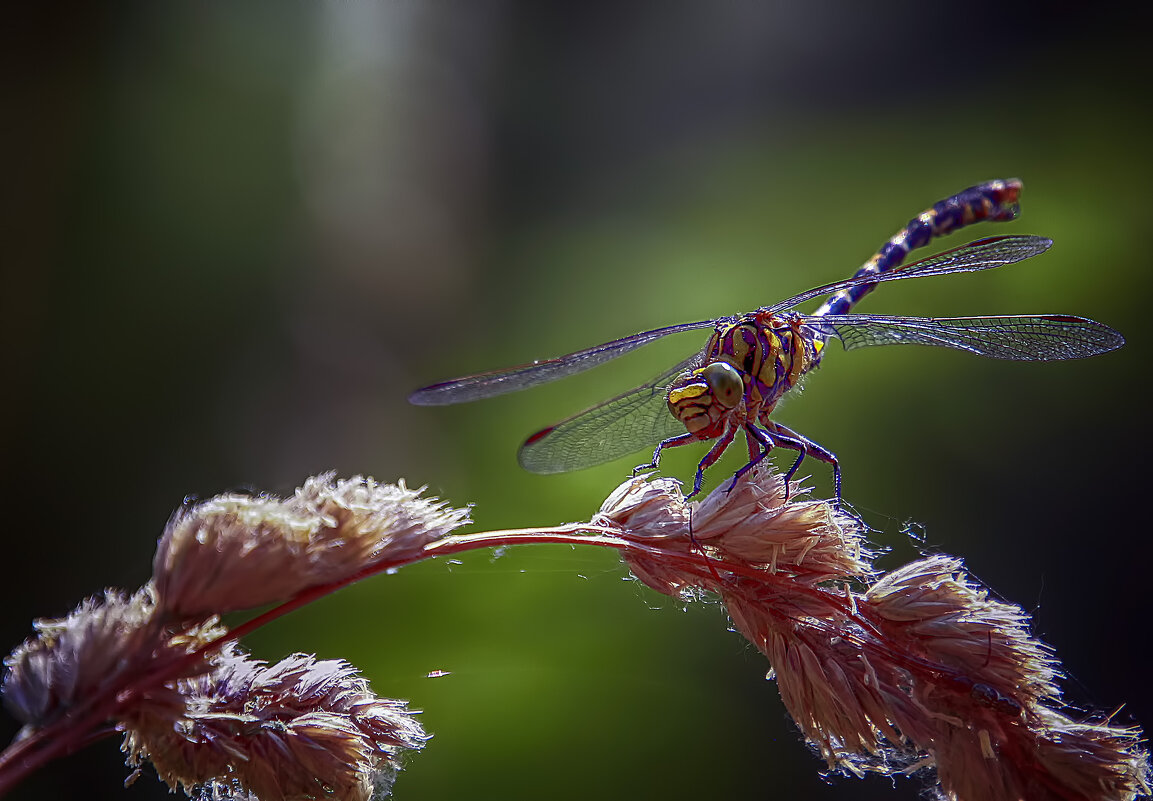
column 749, row 363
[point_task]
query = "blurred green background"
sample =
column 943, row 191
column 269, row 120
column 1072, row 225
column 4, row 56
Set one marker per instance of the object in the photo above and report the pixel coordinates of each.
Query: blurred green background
column 237, row 235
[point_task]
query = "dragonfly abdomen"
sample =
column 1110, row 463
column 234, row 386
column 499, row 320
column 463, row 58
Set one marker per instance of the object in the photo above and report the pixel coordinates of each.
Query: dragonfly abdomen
column 996, row 201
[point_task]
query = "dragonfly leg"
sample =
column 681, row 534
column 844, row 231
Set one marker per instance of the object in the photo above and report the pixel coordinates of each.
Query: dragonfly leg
column 788, row 438
column 671, row 442
column 725, row 440
column 760, row 442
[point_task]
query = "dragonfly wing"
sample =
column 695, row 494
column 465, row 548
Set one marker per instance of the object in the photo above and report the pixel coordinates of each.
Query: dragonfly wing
column 983, row 254
column 1045, row 337
column 625, row 424
column 511, row 379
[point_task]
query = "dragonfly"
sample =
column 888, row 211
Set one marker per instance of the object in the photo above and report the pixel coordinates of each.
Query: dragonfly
column 752, row 360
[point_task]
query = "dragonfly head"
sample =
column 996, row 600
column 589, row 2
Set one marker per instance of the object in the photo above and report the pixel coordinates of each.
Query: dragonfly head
column 702, row 399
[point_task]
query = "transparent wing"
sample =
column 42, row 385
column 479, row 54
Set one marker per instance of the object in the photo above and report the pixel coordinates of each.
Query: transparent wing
column 983, row 254
column 523, row 376
column 1046, row 337
column 625, row 424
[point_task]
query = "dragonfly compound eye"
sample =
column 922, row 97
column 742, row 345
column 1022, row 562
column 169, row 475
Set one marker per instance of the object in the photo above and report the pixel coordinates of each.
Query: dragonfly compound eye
column 725, row 382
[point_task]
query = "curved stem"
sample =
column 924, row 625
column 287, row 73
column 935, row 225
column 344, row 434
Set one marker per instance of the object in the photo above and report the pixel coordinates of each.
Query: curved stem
column 70, row 732
column 76, row 728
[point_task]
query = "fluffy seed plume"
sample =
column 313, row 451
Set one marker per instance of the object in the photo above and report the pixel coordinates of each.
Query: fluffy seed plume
column 913, row 670
column 238, row 552
column 159, row 666
column 807, row 541
column 95, row 650
column 299, row 729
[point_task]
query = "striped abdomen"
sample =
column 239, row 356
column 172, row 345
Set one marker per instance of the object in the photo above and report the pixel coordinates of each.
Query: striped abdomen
column 995, row 201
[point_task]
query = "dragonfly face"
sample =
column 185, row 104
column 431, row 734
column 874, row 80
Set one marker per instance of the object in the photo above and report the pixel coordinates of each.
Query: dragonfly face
column 704, row 399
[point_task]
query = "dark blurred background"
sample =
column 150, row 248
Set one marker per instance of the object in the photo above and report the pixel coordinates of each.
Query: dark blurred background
column 237, row 235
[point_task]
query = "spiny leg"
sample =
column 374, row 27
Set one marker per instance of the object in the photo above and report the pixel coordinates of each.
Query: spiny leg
column 765, row 442
column 791, row 439
column 786, row 437
column 759, row 444
column 710, row 459
column 671, row 442
column 725, row 440
column 777, row 435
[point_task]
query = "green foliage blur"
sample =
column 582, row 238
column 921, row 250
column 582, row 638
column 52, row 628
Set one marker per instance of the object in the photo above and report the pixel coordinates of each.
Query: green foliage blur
column 238, row 235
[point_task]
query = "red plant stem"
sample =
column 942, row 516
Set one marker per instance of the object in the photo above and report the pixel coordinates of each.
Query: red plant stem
column 63, row 736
